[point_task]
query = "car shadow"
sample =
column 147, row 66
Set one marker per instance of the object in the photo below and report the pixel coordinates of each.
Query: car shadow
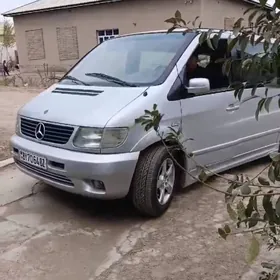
column 234, row 171
column 106, row 210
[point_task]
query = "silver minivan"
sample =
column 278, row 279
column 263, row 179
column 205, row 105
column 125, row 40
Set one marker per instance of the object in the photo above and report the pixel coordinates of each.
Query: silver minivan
column 80, row 136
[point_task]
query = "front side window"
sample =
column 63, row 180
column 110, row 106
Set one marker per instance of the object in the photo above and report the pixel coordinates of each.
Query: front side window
column 206, row 63
column 135, row 60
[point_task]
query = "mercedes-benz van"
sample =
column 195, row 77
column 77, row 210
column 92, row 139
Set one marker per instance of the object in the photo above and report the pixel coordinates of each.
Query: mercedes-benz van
column 80, row 136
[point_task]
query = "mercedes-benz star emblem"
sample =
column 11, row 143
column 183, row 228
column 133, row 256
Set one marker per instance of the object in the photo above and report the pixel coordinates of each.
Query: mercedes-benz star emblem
column 40, row 131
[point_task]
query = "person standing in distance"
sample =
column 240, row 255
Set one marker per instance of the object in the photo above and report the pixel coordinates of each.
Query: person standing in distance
column 5, row 68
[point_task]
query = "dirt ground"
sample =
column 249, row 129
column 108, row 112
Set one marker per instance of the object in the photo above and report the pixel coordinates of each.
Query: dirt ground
column 51, row 235
column 11, row 99
column 46, row 234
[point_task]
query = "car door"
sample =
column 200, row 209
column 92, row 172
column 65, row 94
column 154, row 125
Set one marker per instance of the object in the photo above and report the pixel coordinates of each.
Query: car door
column 215, row 123
column 262, row 134
column 212, row 121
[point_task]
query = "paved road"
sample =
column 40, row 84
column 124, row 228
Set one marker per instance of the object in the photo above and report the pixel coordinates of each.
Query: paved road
column 51, row 235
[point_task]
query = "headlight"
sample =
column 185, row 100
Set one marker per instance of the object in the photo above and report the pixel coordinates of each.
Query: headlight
column 94, row 138
column 88, row 138
column 18, row 125
column 113, row 137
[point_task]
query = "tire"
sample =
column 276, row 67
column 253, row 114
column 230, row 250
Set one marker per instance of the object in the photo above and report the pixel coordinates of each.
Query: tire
column 145, row 193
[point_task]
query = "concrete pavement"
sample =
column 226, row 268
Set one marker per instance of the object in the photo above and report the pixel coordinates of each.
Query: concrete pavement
column 46, row 234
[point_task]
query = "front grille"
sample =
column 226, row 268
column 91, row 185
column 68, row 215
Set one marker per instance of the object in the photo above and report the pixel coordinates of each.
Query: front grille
column 54, row 133
column 45, row 173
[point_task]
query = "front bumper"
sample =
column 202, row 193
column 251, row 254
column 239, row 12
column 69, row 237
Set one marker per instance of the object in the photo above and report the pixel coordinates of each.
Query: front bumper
column 79, row 173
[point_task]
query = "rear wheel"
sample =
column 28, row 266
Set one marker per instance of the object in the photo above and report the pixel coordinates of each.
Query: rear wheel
column 154, row 181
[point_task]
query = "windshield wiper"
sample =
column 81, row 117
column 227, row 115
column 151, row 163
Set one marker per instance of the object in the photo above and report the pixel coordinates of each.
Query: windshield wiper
column 110, row 79
column 75, row 80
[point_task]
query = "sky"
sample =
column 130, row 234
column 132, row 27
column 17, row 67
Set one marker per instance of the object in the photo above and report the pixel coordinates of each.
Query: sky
column 11, row 4
column 7, row 5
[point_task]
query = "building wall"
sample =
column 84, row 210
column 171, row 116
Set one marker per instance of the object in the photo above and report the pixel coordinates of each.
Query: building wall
column 80, row 25
column 128, row 16
column 214, row 12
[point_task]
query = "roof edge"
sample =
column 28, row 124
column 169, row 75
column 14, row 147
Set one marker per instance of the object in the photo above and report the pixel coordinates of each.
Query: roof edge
column 252, row 2
column 11, row 14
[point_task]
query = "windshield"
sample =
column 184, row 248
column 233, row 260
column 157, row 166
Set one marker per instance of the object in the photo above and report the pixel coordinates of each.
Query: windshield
column 133, row 60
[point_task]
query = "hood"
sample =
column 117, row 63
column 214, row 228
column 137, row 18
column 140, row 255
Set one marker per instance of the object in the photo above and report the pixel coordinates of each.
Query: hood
column 80, row 105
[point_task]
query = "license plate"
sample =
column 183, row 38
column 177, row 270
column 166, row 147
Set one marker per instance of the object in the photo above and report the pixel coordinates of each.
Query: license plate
column 32, row 159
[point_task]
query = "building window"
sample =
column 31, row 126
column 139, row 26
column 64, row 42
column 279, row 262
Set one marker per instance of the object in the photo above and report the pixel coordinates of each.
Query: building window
column 228, row 23
column 35, row 44
column 67, row 41
column 103, row 35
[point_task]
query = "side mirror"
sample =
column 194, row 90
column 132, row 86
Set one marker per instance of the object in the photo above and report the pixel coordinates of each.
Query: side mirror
column 198, row 86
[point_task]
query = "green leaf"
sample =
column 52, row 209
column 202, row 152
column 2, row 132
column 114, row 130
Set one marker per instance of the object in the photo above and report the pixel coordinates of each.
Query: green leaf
column 215, row 41
column 243, row 41
column 178, row 14
column 255, row 201
column 240, row 93
column 226, row 67
column 275, row 46
column 254, row 250
column 265, row 46
column 277, row 171
column 203, row 176
column 277, row 207
column 202, row 38
column 250, row 207
column 250, row 9
column 238, row 22
column 222, row 233
column 227, row 229
column 245, row 188
column 209, row 42
column 232, row 214
column 271, row 174
column 259, row 108
column 259, row 40
column 171, row 20
column 241, row 210
column 232, row 43
column 252, row 39
column 263, row 181
column 275, row 157
column 254, row 89
column 252, row 15
column 267, row 103
column 260, row 18
column 254, row 220
column 267, row 206
column 193, row 23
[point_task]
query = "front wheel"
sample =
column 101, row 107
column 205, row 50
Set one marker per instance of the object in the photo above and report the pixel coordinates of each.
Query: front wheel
column 154, row 181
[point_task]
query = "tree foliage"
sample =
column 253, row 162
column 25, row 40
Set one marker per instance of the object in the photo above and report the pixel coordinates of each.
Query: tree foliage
column 8, row 34
column 253, row 204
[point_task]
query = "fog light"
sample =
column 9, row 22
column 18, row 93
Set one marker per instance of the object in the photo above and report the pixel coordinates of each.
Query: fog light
column 98, row 185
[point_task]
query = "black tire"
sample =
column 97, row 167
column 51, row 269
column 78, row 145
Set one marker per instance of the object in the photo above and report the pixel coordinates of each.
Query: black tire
column 144, row 182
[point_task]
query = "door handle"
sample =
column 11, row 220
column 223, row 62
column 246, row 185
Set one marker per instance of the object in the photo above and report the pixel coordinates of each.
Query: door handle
column 232, row 108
